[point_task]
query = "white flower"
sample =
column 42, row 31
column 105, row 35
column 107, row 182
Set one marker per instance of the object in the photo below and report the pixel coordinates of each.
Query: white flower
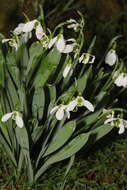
column 116, row 121
column 79, row 102
column 87, row 58
column 61, row 45
column 19, row 29
column 111, row 57
column 17, row 116
column 12, row 42
column 122, row 125
column 120, row 79
column 39, row 32
column 73, row 24
column 67, row 69
column 29, row 26
column 110, row 118
column 60, row 112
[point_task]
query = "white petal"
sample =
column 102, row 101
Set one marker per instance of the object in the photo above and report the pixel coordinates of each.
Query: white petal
column 110, row 120
column 81, row 58
column 71, row 106
column 29, row 26
column 5, row 40
column 66, row 70
column 60, row 114
column 111, row 57
column 54, row 109
column 19, row 120
column 121, row 128
column 52, row 42
column 88, row 105
column 68, row 48
column 120, row 80
column 68, row 113
column 19, row 29
column 39, row 32
column 7, row 116
column 125, row 123
column 60, row 44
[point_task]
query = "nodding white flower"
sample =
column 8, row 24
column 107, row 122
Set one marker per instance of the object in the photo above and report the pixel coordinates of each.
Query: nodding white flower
column 122, row 126
column 111, row 57
column 19, row 29
column 60, row 111
column 79, row 102
column 116, row 121
column 12, row 42
column 61, row 45
column 121, row 80
column 110, row 118
column 87, row 58
column 39, row 32
column 17, row 116
column 68, row 69
column 29, row 26
column 72, row 23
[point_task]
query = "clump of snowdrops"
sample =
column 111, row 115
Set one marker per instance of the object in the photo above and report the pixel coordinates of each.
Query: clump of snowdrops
column 55, row 96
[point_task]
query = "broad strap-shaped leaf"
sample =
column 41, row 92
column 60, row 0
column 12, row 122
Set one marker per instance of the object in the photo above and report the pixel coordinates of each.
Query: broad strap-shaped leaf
column 38, row 103
column 8, row 150
column 47, row 66
column 73, row 146
column 37, row 132
column 13, row 68
column 82, row 82
column 61, row 137
column 2, row 63
column 23, row 140
column 36, row 52
column 67, row 151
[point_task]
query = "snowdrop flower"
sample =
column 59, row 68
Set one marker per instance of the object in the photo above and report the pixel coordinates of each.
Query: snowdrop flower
column 79, row 102
column 122, row 126
column 61, row 45
column 121, row 80
column 19, row 29
column 68, row 69
column 60, row 110
column 110, row 118
column 111, row 57
column 12, row 42
column 87, row 58
column 116, row 121
column 28, row 27
column 17, row 116
column 39, row 32
column 72, row 23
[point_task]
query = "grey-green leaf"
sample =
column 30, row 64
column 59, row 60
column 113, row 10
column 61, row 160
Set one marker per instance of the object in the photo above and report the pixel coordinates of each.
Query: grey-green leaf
column 61, row 137
column 48, row 65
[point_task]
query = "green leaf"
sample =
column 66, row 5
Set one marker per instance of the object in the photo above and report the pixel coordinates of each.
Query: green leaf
column 13, row 68
column 74, row 146
column 88, row 120
column 2, row 63
column 48, row 65
column 82, row 82
column 38, row 103
column 23, row 140
column 8, row 150
column 61, row 137
column 67, row 151
column 36, row 52
column 37, row 132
